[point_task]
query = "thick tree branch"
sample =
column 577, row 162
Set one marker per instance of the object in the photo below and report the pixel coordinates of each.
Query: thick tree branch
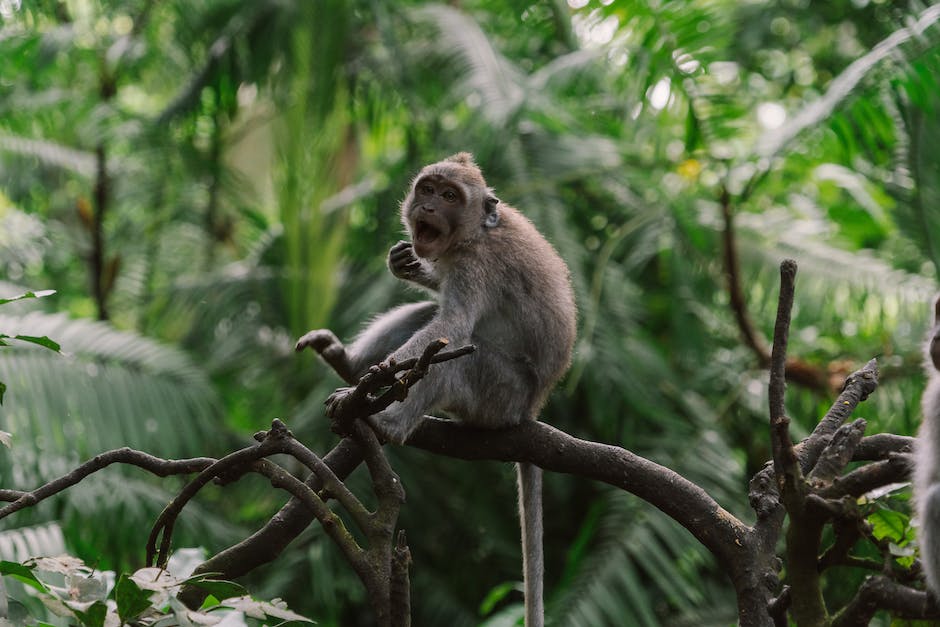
column 866, row 478
column 804, row 533
column 880, row 593
column 554, row 450
column 882, row 446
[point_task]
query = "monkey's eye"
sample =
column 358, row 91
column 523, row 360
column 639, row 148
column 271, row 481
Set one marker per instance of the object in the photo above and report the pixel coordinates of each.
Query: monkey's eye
column 450, row 195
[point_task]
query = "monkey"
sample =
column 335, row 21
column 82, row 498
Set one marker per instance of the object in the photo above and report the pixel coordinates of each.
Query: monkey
column 927, row 461
column 499, row 285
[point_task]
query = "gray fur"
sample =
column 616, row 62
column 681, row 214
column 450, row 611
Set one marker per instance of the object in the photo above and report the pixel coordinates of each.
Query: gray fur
column 500, row 286
column 927, row 462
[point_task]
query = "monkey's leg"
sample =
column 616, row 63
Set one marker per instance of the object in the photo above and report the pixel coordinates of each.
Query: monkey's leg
column 440, row 388
column 386, row 333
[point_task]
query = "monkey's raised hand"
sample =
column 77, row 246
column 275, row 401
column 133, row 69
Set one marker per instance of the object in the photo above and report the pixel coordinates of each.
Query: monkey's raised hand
column 405, row 264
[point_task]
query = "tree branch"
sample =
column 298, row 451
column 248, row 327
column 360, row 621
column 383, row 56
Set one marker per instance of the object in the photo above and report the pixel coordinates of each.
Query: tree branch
column 880, row 593
column 554, row 450
column 797, row 370
column 266, row 544
column 155, row 465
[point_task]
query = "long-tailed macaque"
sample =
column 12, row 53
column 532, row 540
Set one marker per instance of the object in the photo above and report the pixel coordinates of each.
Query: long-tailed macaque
column 927, row 461
column 500, row 286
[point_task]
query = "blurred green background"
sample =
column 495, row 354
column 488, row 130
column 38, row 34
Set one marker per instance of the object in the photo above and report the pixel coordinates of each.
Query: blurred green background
column 201, row 181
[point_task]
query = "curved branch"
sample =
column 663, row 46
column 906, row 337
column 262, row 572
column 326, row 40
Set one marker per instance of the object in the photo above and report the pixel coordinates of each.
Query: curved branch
column 735, row 293
column 881, row 446
column 880, row 593
column 266, row 544
column 797, row 370
column 552, row 449
column 125, row 455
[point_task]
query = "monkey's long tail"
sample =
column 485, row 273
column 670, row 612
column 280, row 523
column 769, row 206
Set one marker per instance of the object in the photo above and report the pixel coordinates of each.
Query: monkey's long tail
column 929, row 542
column 530, row 520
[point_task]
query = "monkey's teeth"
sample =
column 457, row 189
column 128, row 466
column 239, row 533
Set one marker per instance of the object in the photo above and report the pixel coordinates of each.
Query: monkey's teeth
column 424, row 232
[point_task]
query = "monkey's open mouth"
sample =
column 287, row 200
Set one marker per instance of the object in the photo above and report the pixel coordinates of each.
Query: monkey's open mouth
column 426, row 233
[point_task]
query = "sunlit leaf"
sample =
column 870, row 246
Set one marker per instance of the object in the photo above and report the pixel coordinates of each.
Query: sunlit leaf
column 21, row 573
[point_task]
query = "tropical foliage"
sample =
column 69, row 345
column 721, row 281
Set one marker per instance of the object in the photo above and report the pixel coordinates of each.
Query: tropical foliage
column 200, row 182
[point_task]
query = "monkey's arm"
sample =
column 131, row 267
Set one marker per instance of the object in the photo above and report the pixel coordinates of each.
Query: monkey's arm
column 407, row 266
column 383, row 335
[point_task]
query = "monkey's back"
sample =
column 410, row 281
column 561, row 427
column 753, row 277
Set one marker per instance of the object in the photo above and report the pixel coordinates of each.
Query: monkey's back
column 528, row 316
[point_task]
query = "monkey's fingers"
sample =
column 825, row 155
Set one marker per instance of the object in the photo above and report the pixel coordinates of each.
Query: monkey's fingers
column 402, row 259
column 409, row 271
column 401, row 246
column 335, row 400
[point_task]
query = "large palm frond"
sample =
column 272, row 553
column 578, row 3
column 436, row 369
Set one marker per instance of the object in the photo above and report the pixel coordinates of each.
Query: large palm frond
column 107, row 389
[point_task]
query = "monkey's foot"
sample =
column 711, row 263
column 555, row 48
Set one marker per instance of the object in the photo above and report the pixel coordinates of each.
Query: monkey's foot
column 335, row 400
column 389, row 428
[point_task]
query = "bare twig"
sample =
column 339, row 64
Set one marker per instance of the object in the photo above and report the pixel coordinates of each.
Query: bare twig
column 331, row 523
column 400, row 591
column 273, row 443
column 346, row 405
column 266, row 544
column 786, row 468
column 735, row 292
column 155, row 465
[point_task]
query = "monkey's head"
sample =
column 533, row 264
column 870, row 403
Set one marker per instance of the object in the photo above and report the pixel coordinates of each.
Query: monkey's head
column 449, row 205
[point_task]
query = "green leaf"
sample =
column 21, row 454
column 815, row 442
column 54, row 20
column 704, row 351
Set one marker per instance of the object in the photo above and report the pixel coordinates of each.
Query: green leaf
column 889, row 524
column 39, row 294
column 94, row 616
column 3, row 389
column 495, row 595
column 131, row 600
column 21, row 573
column 263, row 609
column 218, row 588
column 41, row 341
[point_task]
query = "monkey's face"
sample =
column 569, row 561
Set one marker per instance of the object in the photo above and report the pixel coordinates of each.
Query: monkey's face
column 433, row 214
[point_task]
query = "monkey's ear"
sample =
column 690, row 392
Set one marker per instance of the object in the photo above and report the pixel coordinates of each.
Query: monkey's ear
column 489, row 209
